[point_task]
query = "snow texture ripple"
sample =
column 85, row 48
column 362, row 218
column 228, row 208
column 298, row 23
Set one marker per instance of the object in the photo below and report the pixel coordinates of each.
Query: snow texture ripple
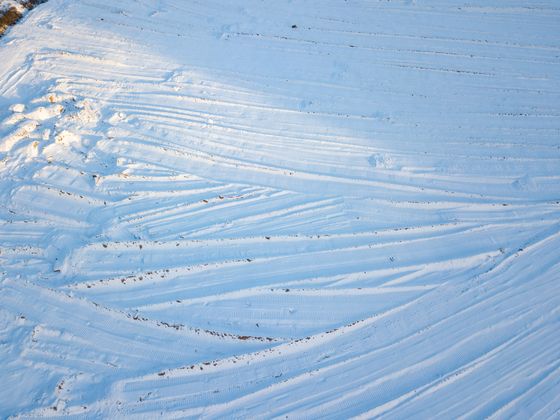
column 261, row 209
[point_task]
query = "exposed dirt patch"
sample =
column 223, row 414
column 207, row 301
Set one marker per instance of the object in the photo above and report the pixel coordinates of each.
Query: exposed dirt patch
column 8, row 18
column 11, row 15
column 30, row 4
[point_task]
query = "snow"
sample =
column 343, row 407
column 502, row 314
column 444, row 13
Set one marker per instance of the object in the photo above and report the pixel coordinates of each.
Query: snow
column 318, row 209
column 6, row 4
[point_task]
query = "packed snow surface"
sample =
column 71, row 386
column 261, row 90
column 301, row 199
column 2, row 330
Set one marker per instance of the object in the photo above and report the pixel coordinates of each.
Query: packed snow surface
column 318, row 209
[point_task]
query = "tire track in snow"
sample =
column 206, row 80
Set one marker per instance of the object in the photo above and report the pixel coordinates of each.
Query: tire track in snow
column 365, row 197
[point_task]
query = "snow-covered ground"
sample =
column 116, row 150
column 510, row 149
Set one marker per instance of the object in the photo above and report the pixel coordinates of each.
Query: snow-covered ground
column 317, row 209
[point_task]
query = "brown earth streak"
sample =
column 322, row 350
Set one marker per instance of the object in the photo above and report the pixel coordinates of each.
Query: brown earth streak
column 11, row 16
column 8, row 18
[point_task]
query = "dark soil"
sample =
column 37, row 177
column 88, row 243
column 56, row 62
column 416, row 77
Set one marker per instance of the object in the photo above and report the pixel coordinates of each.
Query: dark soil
column 11, row 16
column 8, row 18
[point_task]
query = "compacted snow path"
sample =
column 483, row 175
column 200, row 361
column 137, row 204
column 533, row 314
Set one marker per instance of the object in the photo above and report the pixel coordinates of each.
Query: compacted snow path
column 318, row 209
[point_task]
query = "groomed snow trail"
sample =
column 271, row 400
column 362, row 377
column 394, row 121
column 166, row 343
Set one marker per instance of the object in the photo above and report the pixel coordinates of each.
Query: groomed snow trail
column 320, row 209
